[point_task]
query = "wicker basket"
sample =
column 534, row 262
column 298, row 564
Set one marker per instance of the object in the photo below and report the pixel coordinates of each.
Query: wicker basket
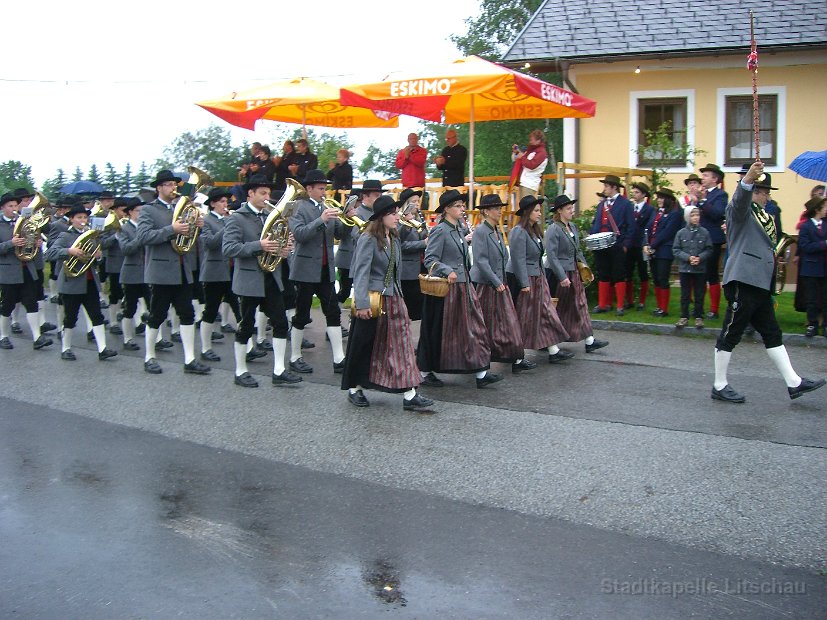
column 433, row 285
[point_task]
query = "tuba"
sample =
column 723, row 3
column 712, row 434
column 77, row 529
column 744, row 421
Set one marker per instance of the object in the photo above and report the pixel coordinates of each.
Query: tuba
column 89, row 242
column 29, row 227
column 347, row 220
column 783, row 251
column 188, row 212
column 275, row 226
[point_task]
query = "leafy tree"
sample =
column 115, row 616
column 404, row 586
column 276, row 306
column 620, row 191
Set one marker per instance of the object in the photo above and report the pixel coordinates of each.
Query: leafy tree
column 94, row 175
column 14, row 174
column 78, row 175
column 111, row 178
column 142, row 179
column 209, row 149
column 51, row 187
column 494, row 27
column 378, row 163
column 125, row 181
column 661, row 151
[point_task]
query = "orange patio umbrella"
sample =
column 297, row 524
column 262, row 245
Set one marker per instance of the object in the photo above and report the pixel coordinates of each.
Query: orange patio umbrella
column 299, row 100
column 467, row 90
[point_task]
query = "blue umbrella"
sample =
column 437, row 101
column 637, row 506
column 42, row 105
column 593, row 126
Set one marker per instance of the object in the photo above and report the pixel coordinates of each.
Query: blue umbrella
column 811, row 165
column 82, row 187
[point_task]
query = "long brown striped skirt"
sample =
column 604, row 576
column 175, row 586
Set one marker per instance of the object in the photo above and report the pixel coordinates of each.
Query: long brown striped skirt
column 452, row 336
column 573, row 309
column 540, row 324
column 501, row 323
column 380, row 351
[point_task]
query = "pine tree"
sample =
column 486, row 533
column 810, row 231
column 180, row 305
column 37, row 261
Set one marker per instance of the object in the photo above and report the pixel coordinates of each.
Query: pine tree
column 51, row 187
column 78, row 176
column 142, row 178
column 94, row 175
column 126, row 181
column 111, row 178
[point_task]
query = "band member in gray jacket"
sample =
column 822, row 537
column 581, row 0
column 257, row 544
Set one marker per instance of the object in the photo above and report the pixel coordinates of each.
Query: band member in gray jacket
column 452, row 336
column 380, row 351
column 563, row 252
column 132, row 272
column 414, row 243
column 254, row 286
column 748, row 284
column 314, row 227
column 488, row 274
column 541, row 327
column 112, row 263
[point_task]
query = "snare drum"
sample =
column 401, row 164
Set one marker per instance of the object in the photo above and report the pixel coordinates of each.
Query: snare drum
column 600, row 241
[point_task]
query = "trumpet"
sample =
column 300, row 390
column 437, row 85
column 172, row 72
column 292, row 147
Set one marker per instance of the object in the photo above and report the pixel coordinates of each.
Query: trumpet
column 347, row 220
column 276, row 226
column 417, row 225
column 188, row 212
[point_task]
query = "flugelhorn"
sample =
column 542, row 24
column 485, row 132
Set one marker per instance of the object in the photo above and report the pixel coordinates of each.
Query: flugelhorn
column 29, row 227
column 188, row 212
column 347, row 220
column 89, row 242
column 276, row 227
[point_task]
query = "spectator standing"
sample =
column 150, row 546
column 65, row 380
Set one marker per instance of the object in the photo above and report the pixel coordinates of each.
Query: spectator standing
column 713, row 211
column 665, row 226
column 283, row 163
column 643, row 214
column 529, row 164
column 452, row 161
column 304, row 162
column 692, row 248
column 812, row 253
column 341, row 174
column 411, row 161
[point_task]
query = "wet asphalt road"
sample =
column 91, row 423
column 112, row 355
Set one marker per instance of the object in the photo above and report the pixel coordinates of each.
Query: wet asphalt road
column 555, row 499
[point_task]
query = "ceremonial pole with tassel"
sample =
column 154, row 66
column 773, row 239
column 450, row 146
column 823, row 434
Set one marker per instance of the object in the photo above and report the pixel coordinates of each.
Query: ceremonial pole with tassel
column 752, row 65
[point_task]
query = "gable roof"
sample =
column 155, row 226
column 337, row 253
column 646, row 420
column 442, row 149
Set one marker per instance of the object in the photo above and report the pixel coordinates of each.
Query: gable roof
column 579, row 30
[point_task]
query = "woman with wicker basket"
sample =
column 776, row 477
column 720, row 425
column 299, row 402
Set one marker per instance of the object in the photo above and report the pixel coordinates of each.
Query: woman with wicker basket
column 541, row 327
column 452, row 337
column 489, row 278
column 380, row 351
column 563, row 252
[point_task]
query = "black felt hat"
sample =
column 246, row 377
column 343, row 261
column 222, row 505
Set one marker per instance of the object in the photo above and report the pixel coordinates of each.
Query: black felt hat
column 8, row 197
column 164, row 176
column 560, row 202
column 527, row 203
column 612, row 179
column 409, row 192
column 131, row 203
column 371, row 185
column 692, row 177
column 665, row 192
column 643, row 188
column 258, row 180
column 217, row 193
column 491, row 201
column 119, row 202
column 383, row 205
column 76, row 210
column 23, row 192
column 764, row 181
column 314, row 177
column 714, row 168
column 448, row 198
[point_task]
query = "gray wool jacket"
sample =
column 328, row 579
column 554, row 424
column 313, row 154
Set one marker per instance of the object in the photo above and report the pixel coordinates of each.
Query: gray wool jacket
column 692, row 241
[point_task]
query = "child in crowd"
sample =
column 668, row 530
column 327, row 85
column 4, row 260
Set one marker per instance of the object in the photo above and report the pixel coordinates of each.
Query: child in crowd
column 692, row 248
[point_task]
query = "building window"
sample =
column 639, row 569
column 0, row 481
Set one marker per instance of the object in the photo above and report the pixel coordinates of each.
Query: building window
column 740, row 140
column 669, row 113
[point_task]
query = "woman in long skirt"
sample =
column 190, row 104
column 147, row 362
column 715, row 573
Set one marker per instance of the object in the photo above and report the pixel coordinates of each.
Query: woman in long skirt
column 541, row 327
column 452, row 336
column 380, row 352
column 563, row 251
column 489, row 278
column 413, row 250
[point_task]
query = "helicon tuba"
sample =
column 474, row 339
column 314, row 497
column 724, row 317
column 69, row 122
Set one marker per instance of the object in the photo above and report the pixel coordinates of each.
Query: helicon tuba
column 29, row 227
column 275, row 226
column 783, row 250
column 89, row 242
column 187, row 211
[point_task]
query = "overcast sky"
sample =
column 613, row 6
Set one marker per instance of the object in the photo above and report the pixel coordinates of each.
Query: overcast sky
column 112, row 81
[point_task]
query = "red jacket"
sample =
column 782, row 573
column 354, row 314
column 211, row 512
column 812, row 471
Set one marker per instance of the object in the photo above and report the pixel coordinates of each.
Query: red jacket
column 412, row 167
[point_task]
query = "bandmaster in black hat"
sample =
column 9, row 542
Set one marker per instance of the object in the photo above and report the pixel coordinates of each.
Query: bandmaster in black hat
column 764, row 181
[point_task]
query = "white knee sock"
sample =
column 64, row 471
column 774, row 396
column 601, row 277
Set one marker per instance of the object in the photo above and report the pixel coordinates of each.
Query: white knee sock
column 33, row 319
column 85, row 315
column 52, row 287
column 128, row 328
column 66, row 342
column 261, row 326
column 721, row 365
column 206, row 336
column 296, row 344
column 335, row 335
column 590, row 340
column 60, row 315
column 481, row 374
column 41, row 310
column 150, row 337
column 240, row 350
column 188, row 342
column 141, row 310
column 251, row 343
column 5, row 326
column 353, row 390
column 114, row 309
column 176, row 323
column 409, row 394
column 198, row 308
column 553, row 349
column 100, row 336
column 279, row 349
column 781, row 360
column 17, row 313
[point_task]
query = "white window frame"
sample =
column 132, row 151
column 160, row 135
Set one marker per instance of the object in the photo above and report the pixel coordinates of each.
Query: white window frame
column 781, row 123
column 634, row 105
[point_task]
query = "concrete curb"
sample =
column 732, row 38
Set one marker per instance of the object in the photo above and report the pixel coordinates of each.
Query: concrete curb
column 691, row 332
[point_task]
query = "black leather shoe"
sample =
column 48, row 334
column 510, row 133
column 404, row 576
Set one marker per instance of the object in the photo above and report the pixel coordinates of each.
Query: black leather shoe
column 255, row 353
column 209, row 356
column 600, row 310
column 265, row 345
column 41, row 342
column 5, row 343
column 54, row 299
column 90, row 336
column 106, row 354
column 488, row 379
column 16, row 329
column 145, row 317
column 104, row 305
column 163, row 345
column 811, row 331
column 306, row 344
column 417, row 403
column 68, row 355
column 197, row 368
column 216, row 336
column 119, row 316
column 130, row 345
column 641, row 307
column 246, row 380
column 658, row 312
column 597, row 344
column 116, row 330
column 345, row 332
column 431, row 380
column 561, row 356
column 620, row 312
column 339, row 368
column 176, row 337
column 47, row 327
column 727, row 394
column 286, row 378
column 301, row 367
column 152, row 367
column 712, row 315
column 523, row 365
column 227, row 329
column 141, row 328
column 358, row 399
column 807, row 385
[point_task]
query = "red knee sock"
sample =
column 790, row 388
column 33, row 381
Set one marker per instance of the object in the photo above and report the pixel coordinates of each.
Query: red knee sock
column 604, row 294
column 620, row 293
column 666, row 293
column 714, row 297
column 644, row 291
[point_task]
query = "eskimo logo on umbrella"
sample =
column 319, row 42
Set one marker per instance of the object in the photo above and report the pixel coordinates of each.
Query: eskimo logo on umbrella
column 252, row 104
column 556, row 95
column 420, row 88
